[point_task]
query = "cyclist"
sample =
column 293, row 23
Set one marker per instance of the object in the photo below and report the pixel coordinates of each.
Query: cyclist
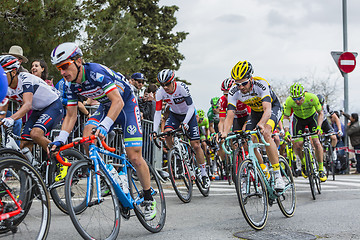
column 203, row 123
column 3, row 84
column 265, row 110
column 182, row 111
column 32, row 93
column 307, row 112
column 213, row 115
column 326, row 126
column 117, row 105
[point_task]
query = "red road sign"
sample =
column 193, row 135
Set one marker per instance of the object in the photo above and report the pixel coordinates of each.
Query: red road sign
column 347, row 62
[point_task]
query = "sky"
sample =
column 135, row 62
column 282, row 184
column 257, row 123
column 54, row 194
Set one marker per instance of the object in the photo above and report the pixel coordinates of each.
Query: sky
column 284, row 41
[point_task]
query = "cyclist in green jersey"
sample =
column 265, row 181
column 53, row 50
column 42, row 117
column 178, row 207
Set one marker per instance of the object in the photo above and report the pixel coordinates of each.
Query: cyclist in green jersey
column 307, row 112
column 213, row 115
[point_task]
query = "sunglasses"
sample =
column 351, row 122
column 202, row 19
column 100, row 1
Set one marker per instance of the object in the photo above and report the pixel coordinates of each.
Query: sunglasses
column 297, row 98
column 201, row 119
column 166, row 84
column 243, row 83
column 215, row 107
column 65, row 65
column 140, row 80
column 7, row 71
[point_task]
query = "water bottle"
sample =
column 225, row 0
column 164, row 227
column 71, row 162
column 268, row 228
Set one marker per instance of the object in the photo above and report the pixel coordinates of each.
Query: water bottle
column 26, row 151
column 114, row 173
column 124, row 182
column 265, row 170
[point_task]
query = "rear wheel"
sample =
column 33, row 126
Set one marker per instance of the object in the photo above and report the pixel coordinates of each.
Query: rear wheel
column 252, row 195
column 180, row 176
column 287, row 199
column 57, row 188
column 156, row 224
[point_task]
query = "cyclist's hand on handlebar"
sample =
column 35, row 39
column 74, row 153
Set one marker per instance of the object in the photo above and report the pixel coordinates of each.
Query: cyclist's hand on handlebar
column 287, row 136
column 8, row 122
column 319, row 130
column 101, row 132
column 54, row 147
column 185, row 126
column 153, row 135
column 261, row 127
column 340, row 133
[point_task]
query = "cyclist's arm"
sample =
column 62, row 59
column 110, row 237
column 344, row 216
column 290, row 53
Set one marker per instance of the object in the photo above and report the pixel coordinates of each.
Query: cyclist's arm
column 228, row 121
column 25, row 107
column 337, row 121
column 116, row 106
column 211, row 127
column 267, row 113
column 320, row 118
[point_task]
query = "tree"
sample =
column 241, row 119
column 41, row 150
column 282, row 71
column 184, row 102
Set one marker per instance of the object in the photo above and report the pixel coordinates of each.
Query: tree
column 38, row 26
column 160, row 44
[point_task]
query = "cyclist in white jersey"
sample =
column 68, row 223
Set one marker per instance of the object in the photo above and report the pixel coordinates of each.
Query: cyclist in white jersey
column 182, row 111
column 32, row 93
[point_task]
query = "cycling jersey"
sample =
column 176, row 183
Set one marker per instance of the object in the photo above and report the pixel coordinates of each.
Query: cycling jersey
column 261, row 92
column 213, row 118
column 97, row 81
column 204, row 123
column 241, row 110
column 180, row 103
column 43, row 94
column 307, row 109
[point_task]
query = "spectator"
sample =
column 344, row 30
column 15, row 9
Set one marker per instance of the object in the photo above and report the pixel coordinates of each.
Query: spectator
column 18, row 52
column 39, row 68
column 138, row 80
column 147, row 102
column 341, row 155
column 353, row 131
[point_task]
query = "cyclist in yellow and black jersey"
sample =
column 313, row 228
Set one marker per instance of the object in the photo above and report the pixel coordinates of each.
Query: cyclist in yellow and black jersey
column 265, row 111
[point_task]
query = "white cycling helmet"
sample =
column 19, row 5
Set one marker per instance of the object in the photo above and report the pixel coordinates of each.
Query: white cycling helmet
column 65, row 51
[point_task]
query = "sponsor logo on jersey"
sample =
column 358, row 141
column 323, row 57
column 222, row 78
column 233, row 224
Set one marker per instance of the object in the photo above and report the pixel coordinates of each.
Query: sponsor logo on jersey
column 131, row 129
column 99, row 77
column 260, row 85
column 233, row 90
column 179, row 100
column 44, row 119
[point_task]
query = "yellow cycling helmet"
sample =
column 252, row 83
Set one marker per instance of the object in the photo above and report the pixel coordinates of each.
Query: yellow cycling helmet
column 241, row 70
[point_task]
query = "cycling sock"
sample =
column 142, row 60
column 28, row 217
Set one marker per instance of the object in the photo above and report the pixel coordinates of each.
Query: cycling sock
column 147, row 195
column 203, row 169
column 321, row 166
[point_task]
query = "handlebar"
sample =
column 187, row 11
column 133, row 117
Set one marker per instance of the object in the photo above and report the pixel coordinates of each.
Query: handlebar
column 83, row 140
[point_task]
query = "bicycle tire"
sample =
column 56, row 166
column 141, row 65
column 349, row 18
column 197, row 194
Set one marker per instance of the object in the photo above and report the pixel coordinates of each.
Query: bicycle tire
column 316, row 175
column 32, row 223
column 100, row 220
column 219, row 166
column 287, row 207
column 250, row 192
column 310, row 172
column 57, row 191
column 180, row 176
column 332, row 163
column 327, row 163
column 228, row 171
column 155, row 225
column 237, row 159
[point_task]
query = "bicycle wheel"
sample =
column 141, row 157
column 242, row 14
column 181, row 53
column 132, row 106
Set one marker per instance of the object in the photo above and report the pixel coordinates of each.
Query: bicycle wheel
column 237, row 159
column 220, row 167
column 332, row 163
column 287, row 199
column 228, row 170
column 155, row 225
column 57, row 188
column 6, row 152
column 180, row 176
column 252, row 195
column 316, row 175
column 310, row 172
column 26, row 185
column 100, row 219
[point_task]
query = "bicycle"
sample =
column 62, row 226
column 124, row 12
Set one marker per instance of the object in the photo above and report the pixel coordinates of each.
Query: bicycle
column 236, row 157
column 216, row 159
column 91, row 186
column 24, row 200
column 48, row 169
column 290, row 156
column 311, row 165
column 329, row 157
column 182, row 165
column 255, row 191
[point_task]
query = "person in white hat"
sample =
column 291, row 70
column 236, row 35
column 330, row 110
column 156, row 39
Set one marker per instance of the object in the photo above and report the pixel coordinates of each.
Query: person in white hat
column 18, row 52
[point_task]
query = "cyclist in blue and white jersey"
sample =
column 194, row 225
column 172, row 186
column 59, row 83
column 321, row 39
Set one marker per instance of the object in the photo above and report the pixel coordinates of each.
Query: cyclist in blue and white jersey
column 32, row 93
column 117, row 105
column 182, row 111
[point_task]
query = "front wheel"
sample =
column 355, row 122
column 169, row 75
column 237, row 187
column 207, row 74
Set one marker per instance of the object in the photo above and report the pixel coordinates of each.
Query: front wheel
column 180, row 176
column 100, row 218
column 252, row 195
column 157, row 223
column 27, row 188
column 287, row 198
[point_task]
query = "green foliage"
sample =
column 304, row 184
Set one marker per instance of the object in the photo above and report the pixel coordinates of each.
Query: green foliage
column 127, row 36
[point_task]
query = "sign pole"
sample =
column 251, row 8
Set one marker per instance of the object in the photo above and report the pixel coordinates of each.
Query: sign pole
column 346, row 84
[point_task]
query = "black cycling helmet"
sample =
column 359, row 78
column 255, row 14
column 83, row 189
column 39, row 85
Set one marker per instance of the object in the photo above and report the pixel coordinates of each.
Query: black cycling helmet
column 321, row 99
